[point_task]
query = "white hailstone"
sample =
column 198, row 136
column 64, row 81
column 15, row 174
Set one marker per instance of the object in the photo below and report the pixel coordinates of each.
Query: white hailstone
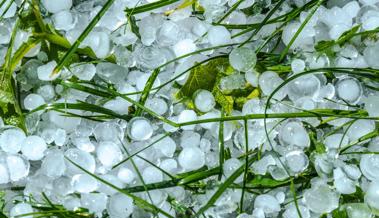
column 94, row 202
column 187, row 116
column 306, row 103
column 4, row 174
column 53, row 165
column 372, row 106
column 140, row 129
column 108, row 153
column 99, row 42
column 204, row 100
column 33, row 147
column 352, row 8
column 368, row 2
column 111, row 73
column 260, row 167
column 44, row 72
column 296, row 161
column 291, row 212
column 253, row 106
column 108, row 131
column 307, row 85
column 360, row 128
column 84, row 71
column 343, row 184
column 269, row 81
column 32, row 101
column 321, row 199
column 294, row 134
column 336, row 141
column 71, row 203
column 297, row 66
column 183, row 47
column 56, row 6
column 370, row 55
column 142, row 80
column 242, row 59
column 126, row 175
column 104, row 188
column 158, row 105
column 337, row 30
column 267, row 203
column 358, row 210
column 352, row 171
column 118, row 105
column 120, row 206
column 191, row 158
column 63, row 20
column 47, row 92
column 209, row 115
column 252, row 78
column 369, row 165
column 81, row 158
column 21, row 209
column 83, row 144
column 258, row 213
column 60, row 137
column 190, row 139
column 11, row 140
column 349, row 89
column 169, row 165
column 165, row 146
column 84, row 183
column 152, row 175
column 372, row 195
column 18, row 167
column 218, row 35
column 230, row 166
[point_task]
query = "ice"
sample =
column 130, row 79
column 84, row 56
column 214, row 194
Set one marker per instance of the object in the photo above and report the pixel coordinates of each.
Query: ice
column 18, row 167
column 191, row 158
column 118, row 105
column 187, row 116
column 204, row 100
column 267, row 203
column 321, row 199
column 53, row 165
column 230, row 166
column 111, row 179
column 84, row 183
column 140, row 129
column 111, row 73
column 183, row 47
column 343, row 184
column 337, row 30
column 64, row 20
column 169, row 165
column 56, row 6
column 4, row 175
column 60, row 137
column 151, row 57
column 372, row 105
column 349, row 89
column 142, row 80
column 32, row 101
column 358, row 210
column 190, row 139
column 81, row 158
column 297, row 66
column 369, row 166
column 234, row 81
column 291, row 212
column 44, row 72
column 126, row 175
column 242, row 59
column 372, row 195
column 120, row 206
column 252, row 78
column 360, row 128
column 152, row 175
column 294, row 134
column 84, row 71
column 307, row 85
column 11, row 139
column 297, row 161
column 269, row 81
column 95, row 202
column 218, row 35
column 169, row 33
column 336, row 141
column 158, row 105
column 8, row 12
column 166, row 146
column 47, row 92
column 260, row 167
column 71, row 203
column 33, row 147
column 21, row 209
column 108, row 131
column 370, row 55
column 108, row 153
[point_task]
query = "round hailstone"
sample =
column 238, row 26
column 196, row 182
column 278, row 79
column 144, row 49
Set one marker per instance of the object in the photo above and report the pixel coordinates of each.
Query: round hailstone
column 4, row 174
column 349, row 89
column 230, row 166
column 269, row 81
column 358, row 210
column 190, row 139
column 243, row 59
column 81, row 158
column 252, row 78
column 63, row 20
column 267, row 203
column 321, row 199
column 20, row 209
column 187, row 116
column 152, row 175
column 169, row 165
column 183, row 47
column 108, row 131
column 191, row 158
column 44, row 71
column 307, row 85
column 204, row 100
column 372, row 106
column 99, row 42
column 336, row 141
column 291, row 212
column 120, row 205
column 218, row 35
column 369, row 165
column 158, row 105
column 297, row 66
column 111, row 179
column 18, row 167
column 294, row 134
column 296, row 161
column 126, row 175
column 11, row 140
column 108, row 153
column 370, row 55
column 142, row 80
column 84, row 183
column 140, row 129
column 53, row 165
column 360, row 128
column 56, row 6
column 165, row 146
column 343, row 184
column 95, row 202
column 33, row 147
column 32, row 101
column 84, row 71
column 118, row 105
column 372, row 195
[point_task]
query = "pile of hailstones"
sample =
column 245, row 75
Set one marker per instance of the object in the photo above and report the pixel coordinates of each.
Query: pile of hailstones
column 38, row 161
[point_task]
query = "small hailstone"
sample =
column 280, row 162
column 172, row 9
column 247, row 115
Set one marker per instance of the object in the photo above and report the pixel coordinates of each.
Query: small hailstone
column 94, row 202
column 99, row 42
column 336, row 141
column 218, row 35
column 267, row 203
column 242, row 59
column 84, row 71
column 158, row 105
column 230, row 166
column 120, row 206
column 297, row 66
column 260, row 167
column 372, row 195
column 45, row 71
column 71, row 203
column 294, row 134
column 307, row 85
column 183, row 47
column 337, row 30
column 11, row 140
column 343, row 184
column 63, row 20
column 118, row 105
column 191, row 158
column 21, row 209
column 190, row 139
column 280, row 196
column 56, row 6
column 47, row 92
column 321, row 199
column 108, row 153
column 352, row 8
column 84, row 183
column 358, row 210
column 33, row 147
column 296, row 161
column 18, row 167
column 372, row 106
column 4, row 175
column 360, row 128
column 126, row 175
column 111, row 73
column 369, row 166
column 104, row 188
column 81, row 158
column 187, row 116
column 169, row 165
column 53, row 165
column 83, row 144
column 291, row 212
column 152, row 175
column 140, row 129
column 32, row 101
column 165, row 146
column 269, row 81
column 370, row 55
column 349, row 89
column 142, row 80
column 108, row 131
column 252, row 78
column 204, row 100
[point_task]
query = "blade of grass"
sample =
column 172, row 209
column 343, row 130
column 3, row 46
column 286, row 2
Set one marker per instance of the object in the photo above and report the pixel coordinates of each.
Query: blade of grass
column 246, row 164
column 221, row 145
